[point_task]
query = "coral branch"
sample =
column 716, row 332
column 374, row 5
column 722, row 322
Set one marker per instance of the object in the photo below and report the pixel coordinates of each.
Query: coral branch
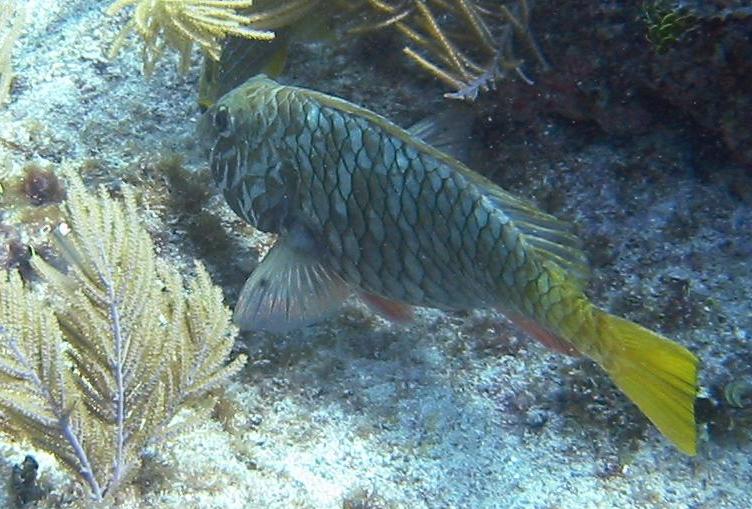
column 182, row 23
column 467, row 44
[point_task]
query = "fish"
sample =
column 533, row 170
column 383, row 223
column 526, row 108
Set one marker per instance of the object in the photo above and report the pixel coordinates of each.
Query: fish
column 362, row 206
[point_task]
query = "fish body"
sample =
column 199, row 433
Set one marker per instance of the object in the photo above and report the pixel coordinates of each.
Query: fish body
column 364, row 206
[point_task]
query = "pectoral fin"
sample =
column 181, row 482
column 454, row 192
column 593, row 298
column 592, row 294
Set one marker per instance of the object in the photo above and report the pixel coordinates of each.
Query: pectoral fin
column 291, row 288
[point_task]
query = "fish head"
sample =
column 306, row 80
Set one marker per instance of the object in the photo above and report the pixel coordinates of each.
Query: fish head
column 239, row 133
column 240, row 116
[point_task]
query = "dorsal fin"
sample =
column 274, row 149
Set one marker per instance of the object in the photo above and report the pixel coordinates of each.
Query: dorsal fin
column 550, row 237
column 448, row 131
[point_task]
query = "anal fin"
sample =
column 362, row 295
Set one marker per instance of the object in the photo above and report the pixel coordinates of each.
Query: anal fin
column 543, row 335
column 391, row 310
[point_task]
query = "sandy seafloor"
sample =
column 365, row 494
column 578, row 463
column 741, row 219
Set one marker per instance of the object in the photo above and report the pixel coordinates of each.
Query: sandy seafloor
column 450, row 411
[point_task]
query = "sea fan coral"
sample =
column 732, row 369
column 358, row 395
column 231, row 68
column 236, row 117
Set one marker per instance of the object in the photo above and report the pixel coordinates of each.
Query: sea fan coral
column 181, row 23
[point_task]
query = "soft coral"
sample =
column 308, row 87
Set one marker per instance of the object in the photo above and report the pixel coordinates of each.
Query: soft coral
column 180, row 24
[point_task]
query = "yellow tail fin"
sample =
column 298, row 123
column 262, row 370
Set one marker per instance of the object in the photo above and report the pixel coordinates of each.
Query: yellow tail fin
column 660, row 376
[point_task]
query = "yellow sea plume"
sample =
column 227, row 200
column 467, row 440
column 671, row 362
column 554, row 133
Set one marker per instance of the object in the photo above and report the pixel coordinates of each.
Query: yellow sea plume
column 182, row 23
column 96, row 373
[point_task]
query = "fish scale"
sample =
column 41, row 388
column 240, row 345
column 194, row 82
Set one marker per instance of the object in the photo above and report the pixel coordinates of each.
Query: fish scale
column 362, row 206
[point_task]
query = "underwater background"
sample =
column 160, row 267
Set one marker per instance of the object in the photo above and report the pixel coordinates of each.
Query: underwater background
column 629, row 119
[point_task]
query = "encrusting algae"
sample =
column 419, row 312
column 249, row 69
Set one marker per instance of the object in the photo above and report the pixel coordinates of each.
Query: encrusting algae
column 363, row 206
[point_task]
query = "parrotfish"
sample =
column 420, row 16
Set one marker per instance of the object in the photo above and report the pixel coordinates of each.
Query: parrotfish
column 362, row 206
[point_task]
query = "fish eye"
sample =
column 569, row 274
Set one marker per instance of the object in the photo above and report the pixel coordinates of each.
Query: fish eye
column 223, row 121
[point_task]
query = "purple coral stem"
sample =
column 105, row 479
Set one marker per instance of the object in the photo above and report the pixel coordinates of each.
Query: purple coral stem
column 86, row 470
column 63, row 419
column 117, row 333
